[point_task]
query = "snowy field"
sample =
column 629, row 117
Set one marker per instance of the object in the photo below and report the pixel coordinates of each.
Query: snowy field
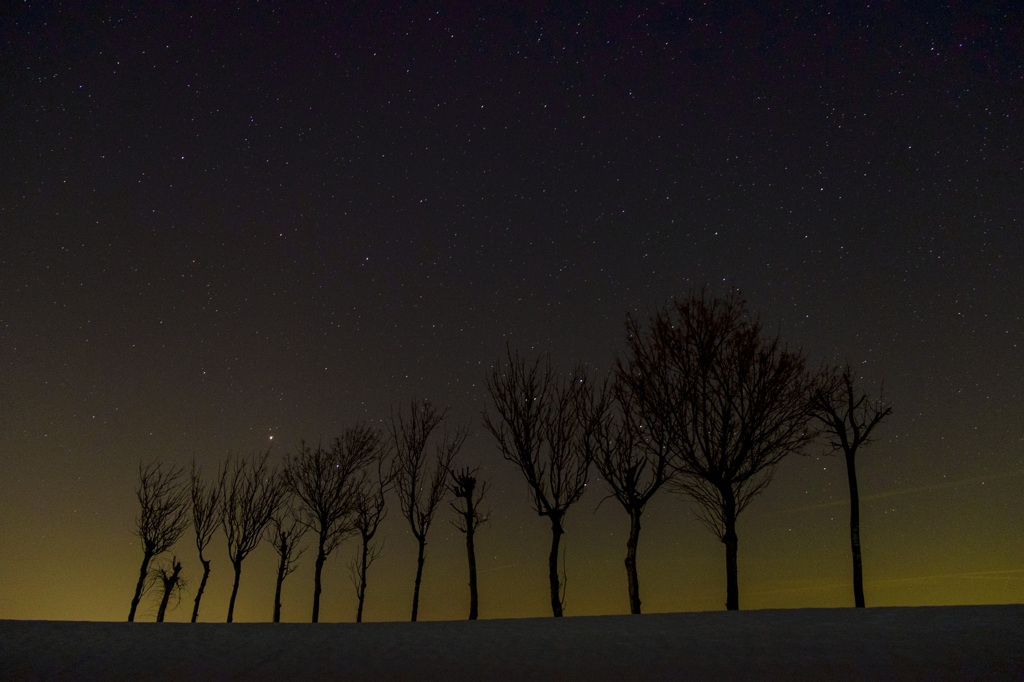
column 890, row 643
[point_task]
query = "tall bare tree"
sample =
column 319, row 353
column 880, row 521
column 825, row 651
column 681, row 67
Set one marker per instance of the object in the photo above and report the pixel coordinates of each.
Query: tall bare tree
column 468, row 495
column 634, row 459
column 540, row 424
column 253, row 492
column 325, row 482
column 163, row 516
column 419, row 480
column 849, row 416
column 171, row 584
column 733, row 401
column 206, row 514
column 368, row 512
column 284, row 534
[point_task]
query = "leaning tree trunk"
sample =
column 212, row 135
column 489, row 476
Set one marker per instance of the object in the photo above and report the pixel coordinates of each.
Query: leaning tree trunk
column 169, row 584
column 363, row 566
column 631, row 574
column 419, row 575
column 471, row 554
column 732, row 588
column 234, row 590
column 858, row 576
column 556, row 536
column 321, row 557
column 202, row 586
column 143, row 572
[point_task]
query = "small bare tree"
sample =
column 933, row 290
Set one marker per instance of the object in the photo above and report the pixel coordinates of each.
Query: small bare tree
column 420, row 486
column 541, row 427
column 163, row 516
column 734, row 402
column 206, row 507
column 325, row 483
column 634, row 459
column 369, row 511
column 284, row 534
column 468, row 495
column 253, row 492
column 171, row 584
column 849, row 416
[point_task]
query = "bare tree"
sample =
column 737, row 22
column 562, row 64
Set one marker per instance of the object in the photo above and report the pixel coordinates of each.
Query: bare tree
column 206, row 507
column 253, row 492
column 420, row 486
column 848, row 417
column 634, row 459
column 284, row 534
column 541, row 427
column 369, row 511
column 733, row 402
column 171, row 584
column 463, row 487
column 163, row 516
column 325, row 483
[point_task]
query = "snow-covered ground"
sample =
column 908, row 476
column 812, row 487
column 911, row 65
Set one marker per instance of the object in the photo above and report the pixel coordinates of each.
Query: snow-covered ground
column 955, row 643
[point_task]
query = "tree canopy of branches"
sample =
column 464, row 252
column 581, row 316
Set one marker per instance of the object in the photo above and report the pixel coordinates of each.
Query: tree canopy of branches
column 253, row 492
column 325, row 482
column 634, row 459
column 541, row 425
column 420, row 485
column 206, row 507
column 849, row 416
column 284, row 534
column 468, row 495
column 733, row 402
column 163, row 516
column 369, row 511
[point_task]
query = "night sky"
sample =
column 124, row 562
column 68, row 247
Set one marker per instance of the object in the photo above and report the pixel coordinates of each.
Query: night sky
column 223, row 228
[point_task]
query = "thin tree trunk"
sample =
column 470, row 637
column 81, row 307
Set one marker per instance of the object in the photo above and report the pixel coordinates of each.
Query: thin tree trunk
column 143, row 572
column 858, row 576
column 234, row 590
column 419, row 576
column 281, row 568
column 553, row 581
column 363, row 566
column 320, row 559
column 631, row 574
column 471, row 553
column 202, row 586
column 732, row 588
column 169, row 584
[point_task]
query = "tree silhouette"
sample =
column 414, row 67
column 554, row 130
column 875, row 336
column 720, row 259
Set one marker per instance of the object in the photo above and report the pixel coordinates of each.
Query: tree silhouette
column 253, row 492
column 733, row 403
column 848, row 417
column 634, row 459
column 163, row 516
column 284, row 534
column 325, row 483
column 420, row 486
column 540, row 425
column 369, row 511
column 171, row 583
column 206, row 511
column 463, row 487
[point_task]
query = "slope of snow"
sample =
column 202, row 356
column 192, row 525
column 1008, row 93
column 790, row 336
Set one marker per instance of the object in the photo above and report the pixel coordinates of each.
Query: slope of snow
column 960, row 642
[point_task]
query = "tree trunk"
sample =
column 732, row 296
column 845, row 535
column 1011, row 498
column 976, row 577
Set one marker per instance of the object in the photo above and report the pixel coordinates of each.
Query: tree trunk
column 281, row 568
column 858, row 577
column 363, row 565
column 471, row 554
column 202, row 586
column 321, row 557
column 169, row 585
column 732, row 588
column 631, row 574
column 234, row 590
column 419, row 576
column 553, row 581
column 143, row 572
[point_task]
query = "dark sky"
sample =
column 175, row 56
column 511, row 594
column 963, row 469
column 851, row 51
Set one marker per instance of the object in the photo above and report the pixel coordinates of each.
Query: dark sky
column 221, row 224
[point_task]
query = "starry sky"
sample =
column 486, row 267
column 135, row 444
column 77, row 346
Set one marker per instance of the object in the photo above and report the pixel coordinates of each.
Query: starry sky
column 230, row 226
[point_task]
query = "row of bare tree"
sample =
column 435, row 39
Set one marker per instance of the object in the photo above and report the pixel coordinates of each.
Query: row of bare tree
column 703, row 403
